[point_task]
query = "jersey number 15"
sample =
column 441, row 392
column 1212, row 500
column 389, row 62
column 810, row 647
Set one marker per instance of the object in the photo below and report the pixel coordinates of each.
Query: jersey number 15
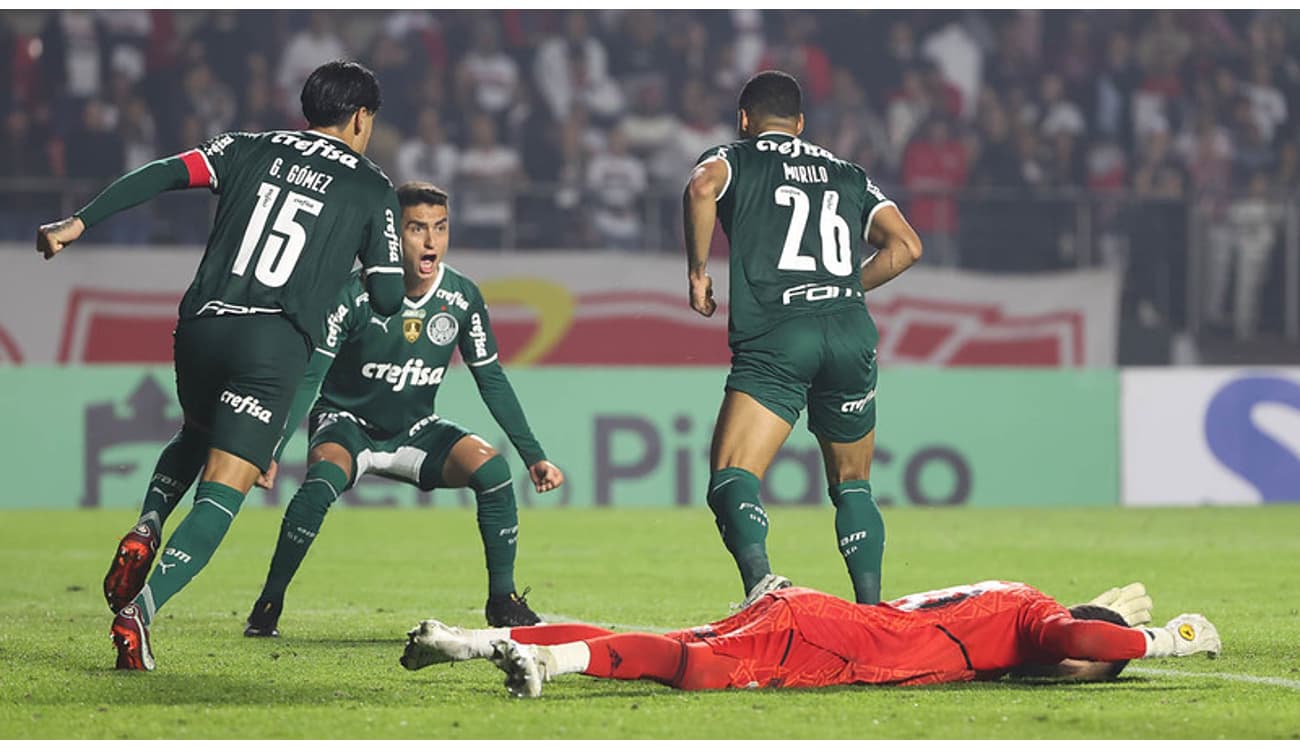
column 837, row 244
column 283, row 244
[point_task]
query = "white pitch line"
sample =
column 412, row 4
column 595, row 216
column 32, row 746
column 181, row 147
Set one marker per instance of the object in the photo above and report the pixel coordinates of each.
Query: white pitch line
column 1230, row 676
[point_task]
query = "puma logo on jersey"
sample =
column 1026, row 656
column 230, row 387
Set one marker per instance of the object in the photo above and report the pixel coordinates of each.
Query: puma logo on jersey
column 381, row 322
column 859, row 405
column 412, row 372
column 247, row 405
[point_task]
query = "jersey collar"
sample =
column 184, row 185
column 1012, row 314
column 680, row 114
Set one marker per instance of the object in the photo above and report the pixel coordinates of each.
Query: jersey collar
column 766, row 133
column 437, row 282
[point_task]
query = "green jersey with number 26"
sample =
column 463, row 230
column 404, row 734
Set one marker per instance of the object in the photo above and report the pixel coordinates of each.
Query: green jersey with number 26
column 295, row 209
column 796, row 218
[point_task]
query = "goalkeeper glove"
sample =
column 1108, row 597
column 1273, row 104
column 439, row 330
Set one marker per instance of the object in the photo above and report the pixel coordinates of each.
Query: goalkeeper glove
column 1183, row 636
column 1131, row 602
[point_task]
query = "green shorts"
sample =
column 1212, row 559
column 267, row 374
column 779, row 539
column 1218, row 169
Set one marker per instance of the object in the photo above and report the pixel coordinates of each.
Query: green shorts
column 827, row 362
column 415, row 456
column 236, row 376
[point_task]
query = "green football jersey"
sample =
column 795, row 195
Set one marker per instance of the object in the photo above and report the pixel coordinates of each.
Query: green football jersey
column 387, row 370
column 296, row 208
column 796, row 218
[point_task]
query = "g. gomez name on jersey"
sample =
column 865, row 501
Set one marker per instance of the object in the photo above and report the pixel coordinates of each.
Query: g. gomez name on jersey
column 412, row 372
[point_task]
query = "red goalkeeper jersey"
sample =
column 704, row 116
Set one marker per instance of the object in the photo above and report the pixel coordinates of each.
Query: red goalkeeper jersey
column 798, row 637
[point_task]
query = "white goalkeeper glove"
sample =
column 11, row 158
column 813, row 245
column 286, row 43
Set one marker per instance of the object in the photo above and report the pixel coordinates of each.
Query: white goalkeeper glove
column 1183, row 636
column 1131, row 602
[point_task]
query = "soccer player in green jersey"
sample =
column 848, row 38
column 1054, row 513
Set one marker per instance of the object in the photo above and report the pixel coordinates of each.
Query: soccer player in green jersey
column 295, row 209
column 375, row 413
column 799, row 329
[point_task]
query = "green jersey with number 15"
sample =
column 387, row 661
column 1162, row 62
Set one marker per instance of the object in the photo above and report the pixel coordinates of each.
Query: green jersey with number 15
column 796, row 218
column 296, row 208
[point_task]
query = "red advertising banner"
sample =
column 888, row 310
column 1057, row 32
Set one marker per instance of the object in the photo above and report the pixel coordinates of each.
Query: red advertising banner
column 100, row 305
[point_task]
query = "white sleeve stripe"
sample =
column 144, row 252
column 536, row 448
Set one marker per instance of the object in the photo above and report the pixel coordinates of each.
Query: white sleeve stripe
column 383, row 269
column 866, row 230
column 326, row 353
column 487, row 361
column 726, row 184
column 211, row 172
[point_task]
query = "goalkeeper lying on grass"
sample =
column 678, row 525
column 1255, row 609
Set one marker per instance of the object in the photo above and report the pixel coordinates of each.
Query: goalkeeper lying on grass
column 798, row 637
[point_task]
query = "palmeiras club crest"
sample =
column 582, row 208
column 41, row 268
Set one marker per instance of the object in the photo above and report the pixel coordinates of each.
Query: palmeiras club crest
column 443, row 329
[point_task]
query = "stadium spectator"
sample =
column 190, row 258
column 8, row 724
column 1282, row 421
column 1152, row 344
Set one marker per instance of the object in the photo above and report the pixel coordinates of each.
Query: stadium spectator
column 1243, row 254
column 486, row 176
column 958, row 59
column 210, row 100
column 934, row 166
column 72, row 56
column 1113, row 90
column 23, row 155
column 650, row 129
column 487, row 78
column 801, row 56
column 616, row 181
column 574, row 68
column 701, row 127
column 315, row 45
column 638, row 53
column 428, row 156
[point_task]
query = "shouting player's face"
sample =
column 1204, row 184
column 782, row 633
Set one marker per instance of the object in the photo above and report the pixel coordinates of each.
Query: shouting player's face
column 425, row 232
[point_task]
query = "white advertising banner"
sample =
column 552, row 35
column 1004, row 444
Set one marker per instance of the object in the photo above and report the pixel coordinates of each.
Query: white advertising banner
column 1210, row 436
column 98, row 304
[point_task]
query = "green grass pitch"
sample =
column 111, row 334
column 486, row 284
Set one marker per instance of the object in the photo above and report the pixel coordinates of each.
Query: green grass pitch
column 374, row 573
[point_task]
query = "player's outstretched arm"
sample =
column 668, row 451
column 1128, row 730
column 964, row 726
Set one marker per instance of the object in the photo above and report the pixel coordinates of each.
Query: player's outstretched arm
column 699, row 213
column 131, row 189
column 499, row 397
column 899, row 245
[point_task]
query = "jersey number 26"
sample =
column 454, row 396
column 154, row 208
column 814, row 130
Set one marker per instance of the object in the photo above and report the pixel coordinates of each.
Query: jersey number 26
column 837, row 245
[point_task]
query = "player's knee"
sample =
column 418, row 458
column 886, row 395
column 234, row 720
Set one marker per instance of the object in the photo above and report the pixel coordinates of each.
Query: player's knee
column 493, row 475
column 335, row 454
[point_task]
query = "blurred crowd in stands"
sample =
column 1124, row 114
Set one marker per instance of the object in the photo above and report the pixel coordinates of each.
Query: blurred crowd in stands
column 1013, row 140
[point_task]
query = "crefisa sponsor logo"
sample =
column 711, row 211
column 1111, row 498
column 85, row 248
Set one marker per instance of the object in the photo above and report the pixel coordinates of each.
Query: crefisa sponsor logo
column 246, row 405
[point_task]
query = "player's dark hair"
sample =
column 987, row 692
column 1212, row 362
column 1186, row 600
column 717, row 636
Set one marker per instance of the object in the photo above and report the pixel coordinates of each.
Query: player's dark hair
column 1105, row 614
column 336, row 90
column 771, row 94
column 421, row 194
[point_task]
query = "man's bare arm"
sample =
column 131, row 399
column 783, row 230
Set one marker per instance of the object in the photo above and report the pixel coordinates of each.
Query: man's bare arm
column 899, row 248
column 699, row 213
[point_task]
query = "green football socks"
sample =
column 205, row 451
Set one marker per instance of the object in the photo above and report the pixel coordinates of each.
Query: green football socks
column 498, row 522
column 739, row 514
column 860, row 531
column 176, row 470
column 302, row 521
column 191, row 545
